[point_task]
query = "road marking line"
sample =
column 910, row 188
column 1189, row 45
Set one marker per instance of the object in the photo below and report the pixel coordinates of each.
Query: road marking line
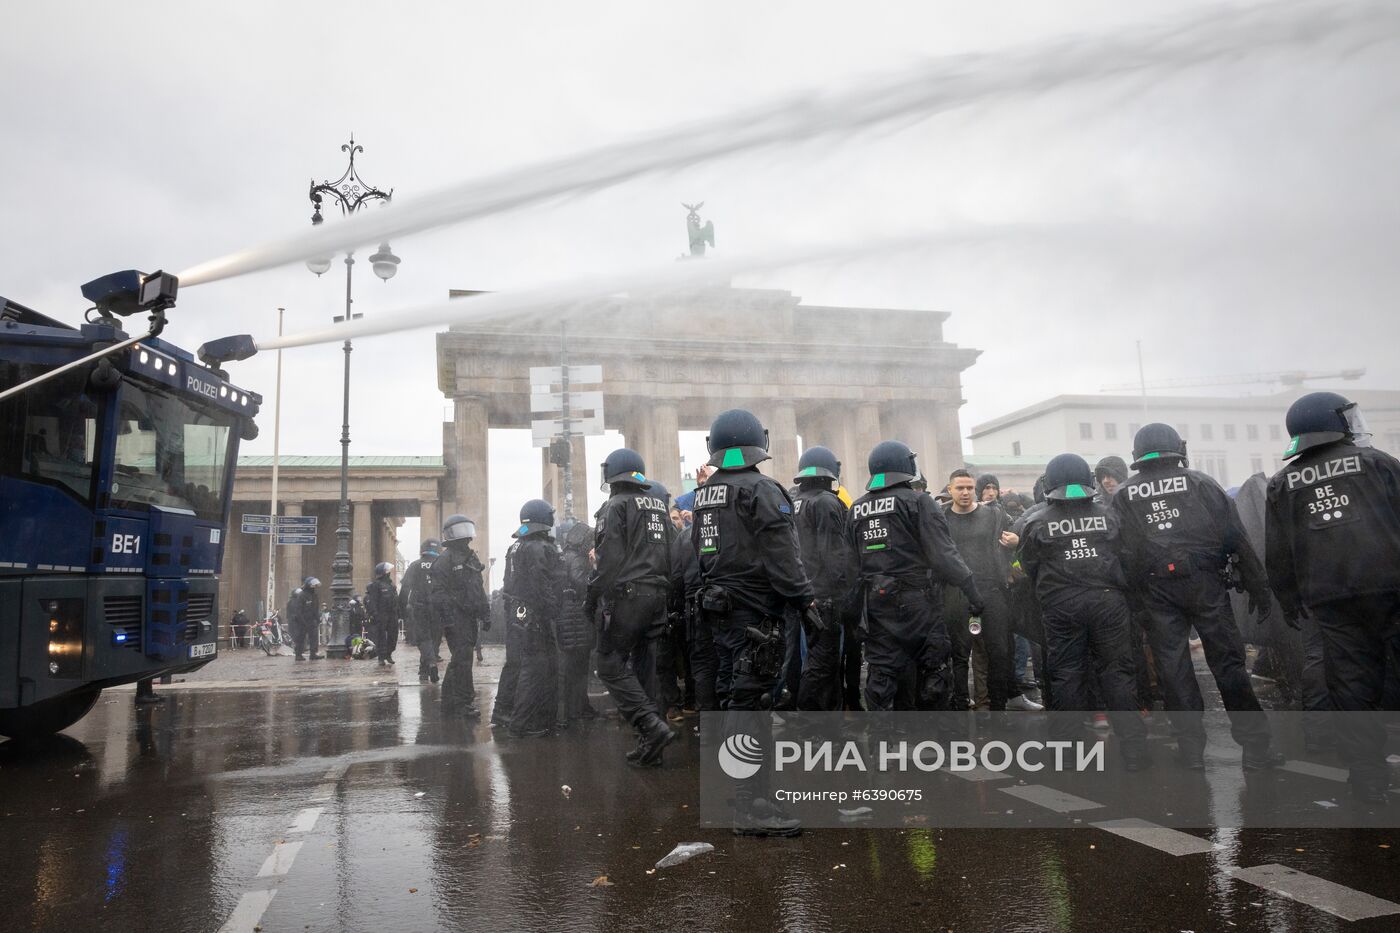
column 305, row 820
column 979, row 773
column 1337, row 900
column 323, row 792
column 1050, row 799
column 1312, row 769
column 280, row 861
column 251, row 907
column 1170, row 841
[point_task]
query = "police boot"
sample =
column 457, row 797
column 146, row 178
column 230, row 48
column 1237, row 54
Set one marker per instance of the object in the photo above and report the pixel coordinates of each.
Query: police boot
column 1374, row 793
column 1261, row 759
column 656, row 735
column 761, row 818
column 433, row 674
column 636, row 751
column 1190, row 754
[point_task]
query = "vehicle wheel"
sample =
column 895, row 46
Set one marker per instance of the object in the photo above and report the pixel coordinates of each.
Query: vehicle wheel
column 47, row 717
column 268, row 647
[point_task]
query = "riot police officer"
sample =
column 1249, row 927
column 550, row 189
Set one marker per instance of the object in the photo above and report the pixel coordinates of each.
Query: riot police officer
column 302, row 617
column 751, row 575
column 1181, row 537
column 415, row 608
column 901, row 540
column 574, row 630
column 459, row 604
column 627, row 594
column 1332, row 546
column 382, row 605
column 1070, row 551
column 533, row 586
column 829, row 560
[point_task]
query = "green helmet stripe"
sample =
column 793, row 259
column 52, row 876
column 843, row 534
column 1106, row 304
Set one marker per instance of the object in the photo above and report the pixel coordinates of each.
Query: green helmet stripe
column 1076, row 491
column 809, row 471
column 1293, row 447
column 877, row 481
column 1152, row 456
column 733, row 457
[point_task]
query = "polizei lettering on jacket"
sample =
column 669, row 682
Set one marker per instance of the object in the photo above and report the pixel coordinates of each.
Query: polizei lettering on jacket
column 874, row 507
column 651, row 502
column 711, row 497
column 1157, row 487
column 1308, row 475
column 1064, row 527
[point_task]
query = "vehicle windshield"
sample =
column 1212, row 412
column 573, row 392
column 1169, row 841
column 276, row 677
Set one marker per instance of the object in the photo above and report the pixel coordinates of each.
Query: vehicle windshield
column 169, row 452
column 49, row 433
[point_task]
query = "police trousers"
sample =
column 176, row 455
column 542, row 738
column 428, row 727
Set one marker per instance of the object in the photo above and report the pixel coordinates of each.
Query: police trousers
column 504, row 706
column 629, row 619
column 1358, row 637
column 536, row 690
column 1173, row 606
column 1087, row 635
column 905, row 632
column 820, row 686
column 458, row 690
column 704, row 660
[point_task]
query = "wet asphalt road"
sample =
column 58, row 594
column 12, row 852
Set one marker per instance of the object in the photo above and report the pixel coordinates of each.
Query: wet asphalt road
column 331, row 796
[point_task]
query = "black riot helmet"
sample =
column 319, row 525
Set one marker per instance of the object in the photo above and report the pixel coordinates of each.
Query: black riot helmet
column 1068, row 477
column 1157, row 441
column 579, row 537
column 458, row 528
column 819, row 463
column 383, row 569
column 624, row 465
column 891, row 463
column 1320, row 418
column 737, row 440
column 656, row 489
column 310, row 583
column 535, row 515
column 431, row 548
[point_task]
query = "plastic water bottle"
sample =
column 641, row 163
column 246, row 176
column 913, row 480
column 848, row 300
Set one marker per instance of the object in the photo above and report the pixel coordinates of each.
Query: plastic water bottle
column 974, row 625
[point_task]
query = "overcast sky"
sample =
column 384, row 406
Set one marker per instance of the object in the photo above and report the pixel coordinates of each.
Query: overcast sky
column 1235, row 217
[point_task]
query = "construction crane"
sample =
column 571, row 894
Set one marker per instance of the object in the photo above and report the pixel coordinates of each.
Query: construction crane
column 1290, row 378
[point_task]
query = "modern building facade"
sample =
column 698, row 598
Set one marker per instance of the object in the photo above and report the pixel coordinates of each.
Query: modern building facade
column 1229, row 438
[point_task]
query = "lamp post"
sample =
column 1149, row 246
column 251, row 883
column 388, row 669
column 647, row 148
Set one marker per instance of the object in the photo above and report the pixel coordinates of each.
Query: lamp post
column 351, row 193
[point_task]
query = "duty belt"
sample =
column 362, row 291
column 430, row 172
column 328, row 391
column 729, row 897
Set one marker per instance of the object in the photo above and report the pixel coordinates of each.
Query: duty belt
column 642, row 588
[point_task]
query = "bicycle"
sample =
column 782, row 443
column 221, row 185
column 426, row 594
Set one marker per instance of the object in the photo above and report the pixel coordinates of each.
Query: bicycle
column 271, row 636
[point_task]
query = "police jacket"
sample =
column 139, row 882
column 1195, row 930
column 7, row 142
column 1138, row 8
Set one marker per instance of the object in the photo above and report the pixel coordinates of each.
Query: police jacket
column 572, row 630
column 746, row 541
column 382, row 602
column 1176, row 523
column 824, row 536
column 457, row 595
column 301, row 607
column 901, row 533
column 534, row 579
column 413, row 589
column 1333, row 525
column 1070, row 547
column 685, row 570
column 631, row 542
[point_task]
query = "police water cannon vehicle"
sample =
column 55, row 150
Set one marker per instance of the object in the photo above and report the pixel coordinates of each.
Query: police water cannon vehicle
column 117, row 456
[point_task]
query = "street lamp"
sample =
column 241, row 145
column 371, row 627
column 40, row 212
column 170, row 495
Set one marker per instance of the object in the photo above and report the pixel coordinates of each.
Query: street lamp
column 351, row 193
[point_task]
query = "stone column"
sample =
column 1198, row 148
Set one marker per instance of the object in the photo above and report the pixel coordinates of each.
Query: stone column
column 429, row 524
column 289, row 563
column 831, row 426
column 362, row 544
column 637, row 431
column 944, row 433
column 782, row 442
column 664, row 461
column 472, row 432
column 866, row 432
